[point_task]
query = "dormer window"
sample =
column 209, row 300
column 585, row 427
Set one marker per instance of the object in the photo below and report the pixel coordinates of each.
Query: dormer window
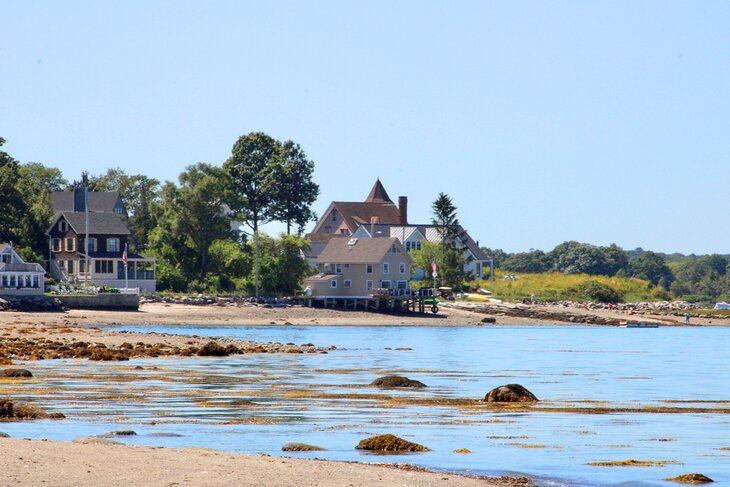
column 334, row 215
column 63, row 226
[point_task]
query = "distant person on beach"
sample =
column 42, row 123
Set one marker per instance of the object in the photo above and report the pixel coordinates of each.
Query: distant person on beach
column 686, row 317
column 532, row 299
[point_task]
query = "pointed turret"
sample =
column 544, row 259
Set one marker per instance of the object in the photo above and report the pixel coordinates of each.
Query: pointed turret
column 378, row 194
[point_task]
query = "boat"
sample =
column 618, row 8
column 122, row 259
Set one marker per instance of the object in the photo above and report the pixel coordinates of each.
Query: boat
column 640, row 325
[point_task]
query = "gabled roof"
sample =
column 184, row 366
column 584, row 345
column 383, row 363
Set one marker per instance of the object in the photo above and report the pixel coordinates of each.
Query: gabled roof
column 378, row 194
column 21, row 267
column 429, row 232
column 359, row 250
column 356, row 214
column 99, row 223
column 102, row 201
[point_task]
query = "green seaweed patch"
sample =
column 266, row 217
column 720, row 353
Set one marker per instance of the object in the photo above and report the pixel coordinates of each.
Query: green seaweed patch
column 390, row 444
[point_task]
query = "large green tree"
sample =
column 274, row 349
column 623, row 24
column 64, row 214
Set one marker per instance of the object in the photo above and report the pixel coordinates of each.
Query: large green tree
column 251, row 171
column 13, row 209
column 295, row 189
column 191, row 217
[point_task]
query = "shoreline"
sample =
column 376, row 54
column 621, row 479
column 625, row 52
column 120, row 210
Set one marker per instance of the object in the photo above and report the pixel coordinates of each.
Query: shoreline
column 95, row 462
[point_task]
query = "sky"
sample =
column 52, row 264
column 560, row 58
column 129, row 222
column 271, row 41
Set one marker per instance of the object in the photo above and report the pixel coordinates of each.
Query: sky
column 601, row 122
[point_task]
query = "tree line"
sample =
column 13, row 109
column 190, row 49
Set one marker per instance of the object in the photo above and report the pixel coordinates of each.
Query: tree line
column 204, row 229
column 693, row 278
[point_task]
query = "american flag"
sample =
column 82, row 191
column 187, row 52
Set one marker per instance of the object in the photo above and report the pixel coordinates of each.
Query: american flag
column 124, row 255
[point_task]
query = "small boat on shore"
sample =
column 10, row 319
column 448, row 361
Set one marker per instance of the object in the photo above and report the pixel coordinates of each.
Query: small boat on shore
column 640, row 325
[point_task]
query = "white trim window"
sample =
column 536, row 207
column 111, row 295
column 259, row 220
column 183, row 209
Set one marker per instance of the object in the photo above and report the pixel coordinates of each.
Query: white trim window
column 338, row 268
column 112, row 245
column 70, row 244
column 90, row 245
column 333, row 283
column 385, row 284
column 347, row 283
column 63, row 226
column 369, row 285
column 413, row 245
column 386, row 268
column 56, row 245
column 368, row 268
column 402, row 267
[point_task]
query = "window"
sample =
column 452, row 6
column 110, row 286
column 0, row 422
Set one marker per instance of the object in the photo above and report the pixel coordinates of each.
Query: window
column 334, row 215
column 70, row 266
column 82, row 266
column 344, row 231
column 369, row 268
column 62, row 264
column 385, row 284
column 413, row 245
column 63, row 226
column 369, row 285
column 327, row 266
column 395, row 249
column 333, row 283
column 70, row 245
column 402, row 268
column 112, row 245
column 56, row 245
column 402, row 284
column 338, row 268
column 103, row 266
column 347, row 266
column 7, row 258
column 348, row 283
column 91, row 245
column 386, row 268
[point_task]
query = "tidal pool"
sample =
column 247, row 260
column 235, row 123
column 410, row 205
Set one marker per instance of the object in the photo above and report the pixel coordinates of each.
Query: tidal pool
column 606, row 394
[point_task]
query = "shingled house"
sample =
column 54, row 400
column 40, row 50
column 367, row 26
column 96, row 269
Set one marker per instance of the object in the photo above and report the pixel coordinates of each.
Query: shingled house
column 358, row 268
column 108, row 237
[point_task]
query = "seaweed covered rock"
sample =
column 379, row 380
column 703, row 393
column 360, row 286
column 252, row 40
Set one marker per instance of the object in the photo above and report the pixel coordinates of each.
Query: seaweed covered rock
column 120, row 433
column 22, row 373
column 213, row 349
column 691, row 478
column 396, row 381
column 6, row 408
column 510, row 393
column 4, row 435
column 294, row 446
column 389, row 443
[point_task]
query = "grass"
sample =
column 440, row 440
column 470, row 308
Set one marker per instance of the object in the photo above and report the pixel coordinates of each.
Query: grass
column 556, row 287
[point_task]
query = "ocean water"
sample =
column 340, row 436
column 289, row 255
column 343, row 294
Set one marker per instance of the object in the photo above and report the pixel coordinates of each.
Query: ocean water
column 606, row 394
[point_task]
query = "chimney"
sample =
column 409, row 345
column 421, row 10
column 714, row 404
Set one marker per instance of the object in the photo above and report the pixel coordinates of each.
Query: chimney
column 80, row 198
column 403, row 207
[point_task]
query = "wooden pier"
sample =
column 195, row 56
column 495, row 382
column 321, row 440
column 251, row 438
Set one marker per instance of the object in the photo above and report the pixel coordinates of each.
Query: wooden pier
column 381, row 302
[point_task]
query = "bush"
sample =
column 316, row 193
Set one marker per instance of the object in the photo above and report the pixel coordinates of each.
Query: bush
column 698, row 298
column 596, row 291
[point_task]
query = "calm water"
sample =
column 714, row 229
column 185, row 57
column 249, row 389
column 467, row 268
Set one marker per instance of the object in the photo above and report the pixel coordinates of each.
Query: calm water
column 256, row 403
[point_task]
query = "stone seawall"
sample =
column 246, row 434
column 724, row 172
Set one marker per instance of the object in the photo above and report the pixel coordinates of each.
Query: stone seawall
column 106, row 301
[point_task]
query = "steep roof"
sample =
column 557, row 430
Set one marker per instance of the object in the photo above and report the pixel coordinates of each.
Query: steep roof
column 99, row 223
column 103, row 201
column 378, row 194
column 356, row 214
column 359, row 250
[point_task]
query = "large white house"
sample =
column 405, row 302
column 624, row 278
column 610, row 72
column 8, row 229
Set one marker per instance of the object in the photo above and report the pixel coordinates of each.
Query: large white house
column 18, row 278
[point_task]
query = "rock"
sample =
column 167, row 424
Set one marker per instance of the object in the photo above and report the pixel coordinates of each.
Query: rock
column 691, row 478
column 510, row 393
column 15, row 373
column 396, row 381
column 95, row 440
column 212, row 349
column 489, row 319
column 301, row 447
column 6, row 408
column 4, row 435
column 29, row 411
column 462, row 450
column 389, row 443
column 120, row 433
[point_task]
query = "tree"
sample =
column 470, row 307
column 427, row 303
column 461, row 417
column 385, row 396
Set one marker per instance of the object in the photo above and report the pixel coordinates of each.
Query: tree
column 251, row 170
column 192, row 216
column 35, row 183
column 12, row 205
column 535, row 261
column 652, row 267
column 450, row 254
column 295, row 190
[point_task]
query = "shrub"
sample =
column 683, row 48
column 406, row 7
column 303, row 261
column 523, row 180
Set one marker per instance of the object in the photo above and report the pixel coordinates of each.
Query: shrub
column 596, row 291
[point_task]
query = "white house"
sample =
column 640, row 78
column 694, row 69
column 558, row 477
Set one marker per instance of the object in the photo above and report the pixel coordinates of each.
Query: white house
column 18, row 278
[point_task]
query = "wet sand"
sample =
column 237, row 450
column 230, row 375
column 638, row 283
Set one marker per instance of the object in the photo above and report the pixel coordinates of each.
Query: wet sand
column 41, row 462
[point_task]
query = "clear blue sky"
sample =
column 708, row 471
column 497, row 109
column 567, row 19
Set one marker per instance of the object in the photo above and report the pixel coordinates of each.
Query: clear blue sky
column 545, row 121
